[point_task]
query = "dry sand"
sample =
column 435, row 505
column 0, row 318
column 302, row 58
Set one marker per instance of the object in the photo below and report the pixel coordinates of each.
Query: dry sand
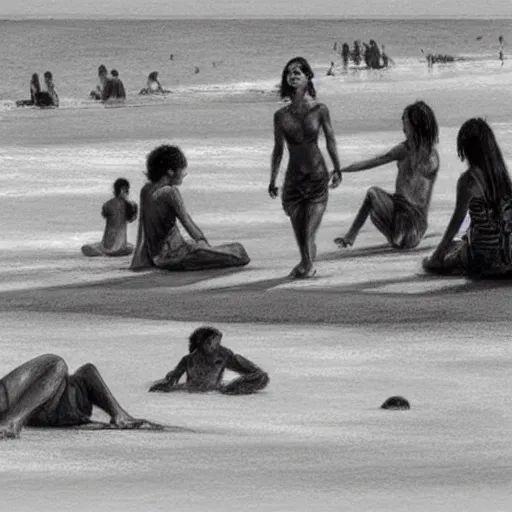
column 315, row 439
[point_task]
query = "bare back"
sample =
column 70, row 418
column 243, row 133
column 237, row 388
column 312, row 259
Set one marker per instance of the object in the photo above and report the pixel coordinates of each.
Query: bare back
column 416, row 176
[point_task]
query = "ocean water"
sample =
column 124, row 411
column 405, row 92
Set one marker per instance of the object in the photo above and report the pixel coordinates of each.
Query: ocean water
column 249, row 54
column 58, row 165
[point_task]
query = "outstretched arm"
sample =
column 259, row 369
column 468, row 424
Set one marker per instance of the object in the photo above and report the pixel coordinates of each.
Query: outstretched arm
column 464, row 195
column 184, row 217
column 252, row 378
column 172, row 378
column 277, row 154
column 396, row 153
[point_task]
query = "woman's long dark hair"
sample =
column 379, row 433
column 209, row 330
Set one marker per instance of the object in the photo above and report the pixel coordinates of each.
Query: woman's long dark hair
column 477, row 144
column 35, row 81
column 286, row 90
column 424, row 125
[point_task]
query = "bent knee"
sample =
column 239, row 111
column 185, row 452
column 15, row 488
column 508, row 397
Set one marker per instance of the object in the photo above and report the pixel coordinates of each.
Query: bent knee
column 264, row 380
column 87, row 368
column 374, row 192
column 52, row 362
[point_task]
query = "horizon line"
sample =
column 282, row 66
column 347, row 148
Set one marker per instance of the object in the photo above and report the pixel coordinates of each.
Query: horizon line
column 398, row 17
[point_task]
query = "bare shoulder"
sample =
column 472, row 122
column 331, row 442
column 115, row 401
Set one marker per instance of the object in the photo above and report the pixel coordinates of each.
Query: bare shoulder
column 280, row 113
column 466, row 181
column 399, row 151
column 434, row 160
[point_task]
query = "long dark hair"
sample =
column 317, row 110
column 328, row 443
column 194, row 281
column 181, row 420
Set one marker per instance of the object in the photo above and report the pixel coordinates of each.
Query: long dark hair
column 477, row 144
column 424, row 125
column 286, row 90
column 35, row 81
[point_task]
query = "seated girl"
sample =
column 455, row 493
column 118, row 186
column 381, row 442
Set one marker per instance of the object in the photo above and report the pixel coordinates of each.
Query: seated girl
column 35, row 91
column 117, row 212
column 153, row 85
column 41, row 393
column 484, row 191
column 159, row 241
column 205, row 365
column 402, row 217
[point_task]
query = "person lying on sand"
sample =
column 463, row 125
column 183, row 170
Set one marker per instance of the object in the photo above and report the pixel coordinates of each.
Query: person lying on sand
column 205, row 365
column 402, row 217
column 41, row 393
column 484, row 191
column 117, row 212
column 159, row 241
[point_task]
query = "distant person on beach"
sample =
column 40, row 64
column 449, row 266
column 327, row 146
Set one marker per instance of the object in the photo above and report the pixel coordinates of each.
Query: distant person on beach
column 153, row 85
column 38, row 98
column 205, row 364
column 117, row 212
column 306, row 184
column 330, row 71
column 114, row 88
column 196, row 70
column 345, row 55
column 402, row 217
column 356, row 53
column 35, row 92
column 484, row 191
column 97, row 94
column 386, row 60
column 41, row 393
column 159, row 241
column 51, row 99
column 501, row 49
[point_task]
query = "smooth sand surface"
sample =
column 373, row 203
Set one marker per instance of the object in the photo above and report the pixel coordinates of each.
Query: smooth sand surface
column 315, row 439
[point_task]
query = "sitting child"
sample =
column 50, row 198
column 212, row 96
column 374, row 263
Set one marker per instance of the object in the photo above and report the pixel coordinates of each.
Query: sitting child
column 117, row 211
column 205, row 365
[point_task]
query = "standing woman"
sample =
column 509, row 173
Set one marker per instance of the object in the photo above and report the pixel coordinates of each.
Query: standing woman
column 306, row 184
column 485, row 191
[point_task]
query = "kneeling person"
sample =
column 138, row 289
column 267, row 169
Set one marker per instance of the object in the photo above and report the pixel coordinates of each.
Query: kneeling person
column 205, row 365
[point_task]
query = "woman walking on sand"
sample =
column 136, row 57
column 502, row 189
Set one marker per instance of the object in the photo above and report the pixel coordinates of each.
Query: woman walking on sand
column 306, row 184
column 484, row 191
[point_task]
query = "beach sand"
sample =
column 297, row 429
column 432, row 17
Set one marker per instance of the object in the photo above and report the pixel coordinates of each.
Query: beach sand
column 315, row 439
column 369, row 326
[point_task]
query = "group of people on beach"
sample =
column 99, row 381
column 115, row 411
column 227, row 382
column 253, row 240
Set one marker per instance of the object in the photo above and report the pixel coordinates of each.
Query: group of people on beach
column 484, row 191
column 42, row 393
column 369, row 53
column 111, row 88
column 39, row 98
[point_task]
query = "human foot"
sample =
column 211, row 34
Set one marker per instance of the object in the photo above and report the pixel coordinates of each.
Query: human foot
column 126, row 422
column 299, row 269
column 10, row 430
column 344, row 241
column 308, row 272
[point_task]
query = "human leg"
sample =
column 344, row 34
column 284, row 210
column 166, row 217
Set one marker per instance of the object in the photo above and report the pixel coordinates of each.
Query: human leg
column 35, row 383
column 246, row 384
column 379, row 206
column 314, row 213
column 101, row 396
column 297, row 219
